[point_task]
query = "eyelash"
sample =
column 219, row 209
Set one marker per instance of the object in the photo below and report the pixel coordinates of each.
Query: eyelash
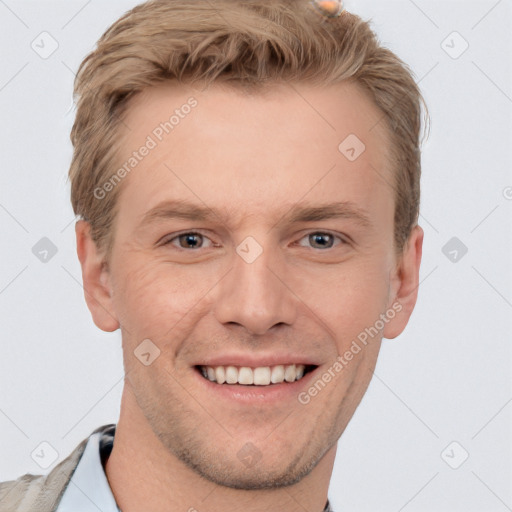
column 177, row 236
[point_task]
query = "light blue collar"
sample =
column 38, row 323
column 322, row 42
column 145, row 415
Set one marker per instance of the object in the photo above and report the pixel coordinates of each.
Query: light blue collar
column 89, row 490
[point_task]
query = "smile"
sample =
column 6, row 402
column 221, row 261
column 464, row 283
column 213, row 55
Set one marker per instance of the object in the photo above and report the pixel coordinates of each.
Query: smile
column 257, row 376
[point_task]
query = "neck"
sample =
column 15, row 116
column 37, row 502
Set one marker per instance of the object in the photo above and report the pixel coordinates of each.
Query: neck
column 143, row 475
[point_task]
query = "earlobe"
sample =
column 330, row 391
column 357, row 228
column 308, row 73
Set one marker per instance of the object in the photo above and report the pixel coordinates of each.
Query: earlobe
column 96, row 279
column 405, row 285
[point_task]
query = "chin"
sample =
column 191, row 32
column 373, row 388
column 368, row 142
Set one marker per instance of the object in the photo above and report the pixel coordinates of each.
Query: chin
column 249, row 468
column 258, row 477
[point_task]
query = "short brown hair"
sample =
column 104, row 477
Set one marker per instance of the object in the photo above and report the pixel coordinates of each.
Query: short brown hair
column 250, row 43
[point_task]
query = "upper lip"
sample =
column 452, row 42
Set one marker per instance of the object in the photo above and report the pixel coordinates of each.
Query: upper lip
column 274, row 359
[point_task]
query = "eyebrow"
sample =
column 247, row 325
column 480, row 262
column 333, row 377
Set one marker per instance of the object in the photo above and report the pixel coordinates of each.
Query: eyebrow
column 182, row 209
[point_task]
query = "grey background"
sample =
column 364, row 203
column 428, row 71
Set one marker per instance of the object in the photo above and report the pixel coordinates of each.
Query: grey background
column 446, row 379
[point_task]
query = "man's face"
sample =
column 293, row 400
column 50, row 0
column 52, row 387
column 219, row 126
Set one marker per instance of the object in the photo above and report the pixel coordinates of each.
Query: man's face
column 258, row 282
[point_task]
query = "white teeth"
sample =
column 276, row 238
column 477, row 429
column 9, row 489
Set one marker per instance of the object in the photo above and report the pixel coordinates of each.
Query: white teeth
column 277, row 374
column 260, row 376
column 220, row 375
column 290, row 373
column 231, row 375
column 245, row 376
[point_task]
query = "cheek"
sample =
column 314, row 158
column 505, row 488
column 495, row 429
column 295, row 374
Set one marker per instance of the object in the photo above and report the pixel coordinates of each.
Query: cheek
column 154, row 296
column 348, row 298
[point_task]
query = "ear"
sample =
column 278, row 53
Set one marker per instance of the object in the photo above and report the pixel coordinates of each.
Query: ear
column 404, row 285
column 96, row 279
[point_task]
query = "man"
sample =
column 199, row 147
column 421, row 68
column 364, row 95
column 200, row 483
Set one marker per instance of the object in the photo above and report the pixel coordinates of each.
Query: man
column 247, row 174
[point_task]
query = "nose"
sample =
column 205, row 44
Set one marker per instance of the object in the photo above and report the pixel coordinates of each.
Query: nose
column 256, row 294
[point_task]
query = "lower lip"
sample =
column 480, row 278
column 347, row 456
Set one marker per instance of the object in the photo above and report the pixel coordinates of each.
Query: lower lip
column 284, row 391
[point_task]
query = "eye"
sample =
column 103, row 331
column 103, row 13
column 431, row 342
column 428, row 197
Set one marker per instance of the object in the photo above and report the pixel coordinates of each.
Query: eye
column 322, row 240
column 188, row 240
column 196, row 240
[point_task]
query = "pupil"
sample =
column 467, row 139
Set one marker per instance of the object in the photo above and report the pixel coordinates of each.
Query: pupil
column 320, row 239
column 191, row 240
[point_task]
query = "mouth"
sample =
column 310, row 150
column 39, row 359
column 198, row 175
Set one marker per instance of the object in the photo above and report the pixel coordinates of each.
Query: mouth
column 255, row 376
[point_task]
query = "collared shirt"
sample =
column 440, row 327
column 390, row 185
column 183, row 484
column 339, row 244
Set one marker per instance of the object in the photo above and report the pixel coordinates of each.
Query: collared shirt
column 88, row 489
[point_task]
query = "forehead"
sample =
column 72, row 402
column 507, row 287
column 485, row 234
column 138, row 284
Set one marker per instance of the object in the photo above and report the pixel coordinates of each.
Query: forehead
column 254, row 153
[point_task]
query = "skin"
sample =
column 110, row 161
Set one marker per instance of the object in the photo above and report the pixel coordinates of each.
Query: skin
column 251, row 158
